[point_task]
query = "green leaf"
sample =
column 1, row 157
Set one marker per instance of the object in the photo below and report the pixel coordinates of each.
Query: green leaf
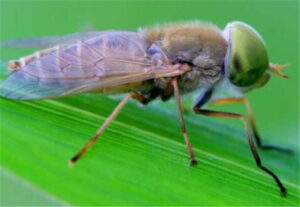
column 140, row 159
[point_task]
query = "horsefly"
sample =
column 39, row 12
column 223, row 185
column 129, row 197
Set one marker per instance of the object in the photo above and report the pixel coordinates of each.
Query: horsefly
column 161, row 61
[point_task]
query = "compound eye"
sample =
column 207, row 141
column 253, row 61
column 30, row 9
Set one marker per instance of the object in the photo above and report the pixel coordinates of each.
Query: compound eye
column 247, row 59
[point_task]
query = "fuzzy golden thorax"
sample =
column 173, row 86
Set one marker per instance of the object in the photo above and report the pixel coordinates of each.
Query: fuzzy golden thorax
column 197, row 44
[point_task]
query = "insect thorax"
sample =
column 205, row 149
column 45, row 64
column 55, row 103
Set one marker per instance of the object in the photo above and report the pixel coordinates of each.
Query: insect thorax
column 199, row 45
column 195, row 79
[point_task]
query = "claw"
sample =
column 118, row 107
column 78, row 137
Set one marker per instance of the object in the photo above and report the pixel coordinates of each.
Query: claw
column 193, row 162
column 283, row 192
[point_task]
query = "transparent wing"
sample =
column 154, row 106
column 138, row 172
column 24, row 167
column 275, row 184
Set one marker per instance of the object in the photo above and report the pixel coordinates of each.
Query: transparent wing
column 108, row 60
column 49, row 41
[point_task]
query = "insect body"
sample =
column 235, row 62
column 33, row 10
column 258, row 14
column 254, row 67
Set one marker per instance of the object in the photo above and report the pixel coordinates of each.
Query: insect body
column 156, row 62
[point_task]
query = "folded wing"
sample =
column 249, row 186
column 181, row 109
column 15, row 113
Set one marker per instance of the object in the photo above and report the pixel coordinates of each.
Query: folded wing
column 48, row 41
column 107, row 60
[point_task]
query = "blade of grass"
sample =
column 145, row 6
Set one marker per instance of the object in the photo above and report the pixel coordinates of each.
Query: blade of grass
column 139, row 160
column 17, row 192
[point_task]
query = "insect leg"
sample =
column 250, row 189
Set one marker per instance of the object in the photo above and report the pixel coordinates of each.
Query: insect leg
column 109, row 119
column 252, row 122
column 211, row 113
column 204, row 98
column 140, row 98
column 181, row 121
column 143, row 99
column 168, row 91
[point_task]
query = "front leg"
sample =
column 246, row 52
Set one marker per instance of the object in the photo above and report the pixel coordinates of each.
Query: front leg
column 252, row 122
column 250, row 141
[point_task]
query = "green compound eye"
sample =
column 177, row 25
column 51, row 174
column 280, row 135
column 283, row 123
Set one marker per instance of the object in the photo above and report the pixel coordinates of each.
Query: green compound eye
column 247, row 59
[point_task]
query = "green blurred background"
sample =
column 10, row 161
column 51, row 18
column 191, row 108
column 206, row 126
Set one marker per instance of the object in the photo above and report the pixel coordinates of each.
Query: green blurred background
column 276, row 106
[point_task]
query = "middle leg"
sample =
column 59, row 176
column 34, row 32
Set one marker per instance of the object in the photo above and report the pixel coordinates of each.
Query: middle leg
column 181, row 121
